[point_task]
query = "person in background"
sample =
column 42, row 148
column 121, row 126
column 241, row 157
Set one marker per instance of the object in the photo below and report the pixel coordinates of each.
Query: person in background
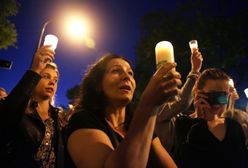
column 3, row 93
column 237, row 114
column 233, row 97
column 213, row 141
column 29, row 127
column 99, row 132
column 241, row 117
column 165, row 125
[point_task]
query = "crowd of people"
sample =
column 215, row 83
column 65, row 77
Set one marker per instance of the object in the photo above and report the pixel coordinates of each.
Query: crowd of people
column 104, row 129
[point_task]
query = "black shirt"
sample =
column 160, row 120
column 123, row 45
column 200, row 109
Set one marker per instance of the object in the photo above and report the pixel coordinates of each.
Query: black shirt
column 203, row 149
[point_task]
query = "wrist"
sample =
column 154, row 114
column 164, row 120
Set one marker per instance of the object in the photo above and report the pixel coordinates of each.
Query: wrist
column 193, row 75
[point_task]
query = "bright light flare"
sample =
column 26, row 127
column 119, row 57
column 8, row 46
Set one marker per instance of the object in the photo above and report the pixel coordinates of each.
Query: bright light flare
column 77, row 28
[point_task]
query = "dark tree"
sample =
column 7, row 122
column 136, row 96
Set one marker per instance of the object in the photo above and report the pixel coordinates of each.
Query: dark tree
column 8, row 35
column 72, row 93
column 219, row 26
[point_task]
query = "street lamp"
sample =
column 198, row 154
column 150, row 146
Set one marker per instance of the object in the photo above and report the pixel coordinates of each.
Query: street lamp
column 42, row 33
column 75, row 27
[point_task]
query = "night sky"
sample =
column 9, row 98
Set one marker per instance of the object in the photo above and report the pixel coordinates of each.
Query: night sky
column 115, row 28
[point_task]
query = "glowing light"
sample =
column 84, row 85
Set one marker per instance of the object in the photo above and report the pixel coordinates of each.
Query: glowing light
column 77, row 28
column 246, row 92
column 51, row 40
column 90, row 42
column 231, row 83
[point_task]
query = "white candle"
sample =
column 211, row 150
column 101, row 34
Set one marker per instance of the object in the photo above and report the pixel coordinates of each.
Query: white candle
column 164, row 53
column 193, row 44
column 51, row 40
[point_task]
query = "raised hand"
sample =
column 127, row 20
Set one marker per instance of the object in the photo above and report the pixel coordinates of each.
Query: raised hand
column 196, row 60
column 41, row 57
column 162, row 86
column 201, row 105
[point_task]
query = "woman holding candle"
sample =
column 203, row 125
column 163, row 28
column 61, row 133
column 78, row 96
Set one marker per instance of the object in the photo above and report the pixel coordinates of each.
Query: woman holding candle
column 29, row 126
column 99, row 134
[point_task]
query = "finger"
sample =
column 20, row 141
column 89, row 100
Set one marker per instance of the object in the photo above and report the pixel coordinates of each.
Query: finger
column 171, row 74
column 202, row 102
column 47, row 59
column 200, row 94
column 195, row 50
column 164, row 69
column 199, row 56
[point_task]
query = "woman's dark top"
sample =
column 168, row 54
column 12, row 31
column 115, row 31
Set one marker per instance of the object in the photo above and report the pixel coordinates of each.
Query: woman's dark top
column 85, row 119
column 202, row 149
column 22, row 133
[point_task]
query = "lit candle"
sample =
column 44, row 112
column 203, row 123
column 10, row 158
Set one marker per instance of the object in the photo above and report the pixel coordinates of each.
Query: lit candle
column 193, row 44
column 51, row 40
column 164, row 53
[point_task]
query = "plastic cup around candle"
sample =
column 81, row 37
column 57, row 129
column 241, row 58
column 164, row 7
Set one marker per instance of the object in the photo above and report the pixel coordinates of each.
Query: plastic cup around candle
column 193, row 44
column 51, row 40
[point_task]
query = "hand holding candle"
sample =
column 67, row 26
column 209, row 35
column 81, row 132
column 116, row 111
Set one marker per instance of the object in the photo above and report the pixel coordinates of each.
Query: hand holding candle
column 164, row 54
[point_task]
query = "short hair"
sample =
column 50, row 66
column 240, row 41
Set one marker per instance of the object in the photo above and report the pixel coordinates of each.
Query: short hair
column 210, row 74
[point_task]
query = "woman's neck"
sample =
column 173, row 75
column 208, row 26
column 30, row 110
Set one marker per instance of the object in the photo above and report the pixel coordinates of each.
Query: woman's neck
column 43, row 108
column 215, row 120
column 116, row 116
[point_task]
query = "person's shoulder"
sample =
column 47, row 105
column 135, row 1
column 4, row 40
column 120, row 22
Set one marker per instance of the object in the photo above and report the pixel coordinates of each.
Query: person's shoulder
column 185, row 124
column 85, row 119
column 232, row 122
column 186, row 120
column 82, row 115
column 234, row 127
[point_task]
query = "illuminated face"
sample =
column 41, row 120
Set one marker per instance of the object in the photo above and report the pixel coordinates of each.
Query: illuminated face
column 47, row 86
column 118, row 82
column 213, row 86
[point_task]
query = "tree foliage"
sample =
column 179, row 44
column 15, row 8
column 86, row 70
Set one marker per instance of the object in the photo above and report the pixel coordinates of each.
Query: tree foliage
column 8, row 35
column 220, row 28
column 72, row 93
